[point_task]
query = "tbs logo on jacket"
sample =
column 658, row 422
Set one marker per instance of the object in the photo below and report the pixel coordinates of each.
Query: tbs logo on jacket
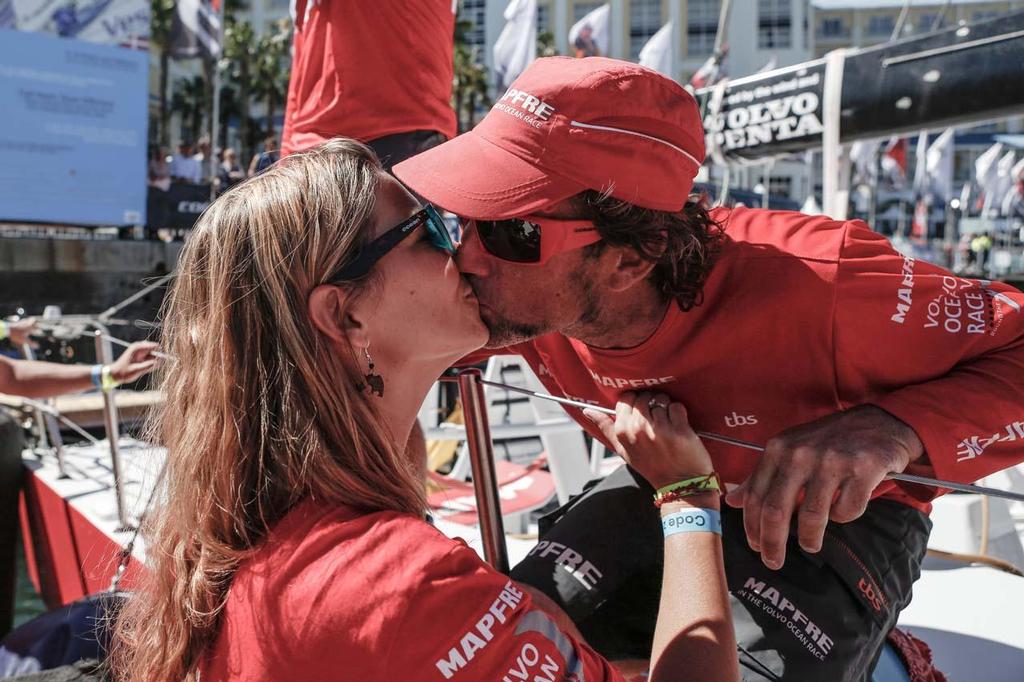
column 740, row 420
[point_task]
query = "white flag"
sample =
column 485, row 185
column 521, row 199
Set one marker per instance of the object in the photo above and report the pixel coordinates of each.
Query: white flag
column 657, row 52
column 589, row 35
column 985, row 173
column 516, row 47
column 921, row 164
column 864, row 157
column 196, row 30
column 1013, row 195
column 939, row 163
column 810, row 206
column 1003, row 183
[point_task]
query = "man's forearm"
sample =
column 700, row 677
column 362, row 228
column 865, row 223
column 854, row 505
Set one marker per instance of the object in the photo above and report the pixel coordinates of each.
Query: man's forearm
column 34, row 379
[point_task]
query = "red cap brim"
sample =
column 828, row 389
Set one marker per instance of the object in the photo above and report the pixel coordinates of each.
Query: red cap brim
column 474, row 178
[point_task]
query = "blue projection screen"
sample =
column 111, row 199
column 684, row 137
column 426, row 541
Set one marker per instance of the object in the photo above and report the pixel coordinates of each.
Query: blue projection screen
column 72, row 131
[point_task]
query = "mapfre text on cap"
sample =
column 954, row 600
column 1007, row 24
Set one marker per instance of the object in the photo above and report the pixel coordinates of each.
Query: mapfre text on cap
column 525, row 106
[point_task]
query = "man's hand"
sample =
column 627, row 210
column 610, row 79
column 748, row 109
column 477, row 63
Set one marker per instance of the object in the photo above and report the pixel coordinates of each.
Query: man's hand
column 135, row 361
column 836, row 462
column 20, row 331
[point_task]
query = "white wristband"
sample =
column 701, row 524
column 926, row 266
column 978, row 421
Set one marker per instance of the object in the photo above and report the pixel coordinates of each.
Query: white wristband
column 694, row 520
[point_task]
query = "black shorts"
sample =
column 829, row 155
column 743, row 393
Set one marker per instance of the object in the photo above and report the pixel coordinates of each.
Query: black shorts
column 821, row 616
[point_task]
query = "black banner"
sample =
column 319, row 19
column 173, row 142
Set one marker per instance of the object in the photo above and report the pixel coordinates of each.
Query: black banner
column 177, row 208
column 957, row 76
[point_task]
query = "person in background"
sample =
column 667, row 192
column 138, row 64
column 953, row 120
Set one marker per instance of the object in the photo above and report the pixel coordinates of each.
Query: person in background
column 265, row 159
column 184, row 167
column 347, row 81
column 158, row 170
column 229, row 173
column 585, row 44
column 207, row 164
column 981, row 246
column 33, row 379
column 314, row 306
column 18, row 332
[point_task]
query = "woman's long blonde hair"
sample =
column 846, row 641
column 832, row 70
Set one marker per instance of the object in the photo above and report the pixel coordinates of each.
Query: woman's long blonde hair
column 260, row 411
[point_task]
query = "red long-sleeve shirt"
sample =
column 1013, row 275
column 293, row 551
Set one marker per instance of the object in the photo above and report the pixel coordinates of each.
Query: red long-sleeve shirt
column 804, row 316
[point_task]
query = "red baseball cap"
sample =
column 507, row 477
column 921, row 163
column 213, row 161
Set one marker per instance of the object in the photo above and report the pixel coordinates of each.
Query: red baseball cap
column 565, row 126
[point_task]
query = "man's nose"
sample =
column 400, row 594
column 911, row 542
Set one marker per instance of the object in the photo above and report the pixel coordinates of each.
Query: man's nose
column 471, row 258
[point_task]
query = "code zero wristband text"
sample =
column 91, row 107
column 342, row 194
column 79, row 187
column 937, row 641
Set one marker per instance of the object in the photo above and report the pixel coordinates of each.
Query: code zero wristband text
column 692, row 521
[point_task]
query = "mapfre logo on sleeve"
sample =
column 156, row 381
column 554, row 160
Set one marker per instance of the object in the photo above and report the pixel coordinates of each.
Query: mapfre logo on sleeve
column 524, row 106
column 482, row 632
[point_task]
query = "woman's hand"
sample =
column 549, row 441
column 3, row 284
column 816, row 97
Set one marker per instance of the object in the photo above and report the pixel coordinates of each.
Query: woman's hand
column 652, row 433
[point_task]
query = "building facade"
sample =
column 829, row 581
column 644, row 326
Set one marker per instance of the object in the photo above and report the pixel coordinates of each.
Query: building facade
column 781, row 27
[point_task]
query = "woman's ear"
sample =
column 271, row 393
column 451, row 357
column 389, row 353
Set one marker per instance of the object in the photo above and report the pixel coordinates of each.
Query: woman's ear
column 337, row 317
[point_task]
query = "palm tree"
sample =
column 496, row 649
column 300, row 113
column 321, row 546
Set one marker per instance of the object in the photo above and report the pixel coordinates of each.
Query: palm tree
column 190, row 99
column 161, row 19
column 469, row 87
column 238, row 59
column 273, row 70
column 546, row 45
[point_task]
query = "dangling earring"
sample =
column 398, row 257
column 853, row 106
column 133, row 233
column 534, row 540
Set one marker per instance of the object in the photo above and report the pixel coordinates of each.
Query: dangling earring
column 374, row 381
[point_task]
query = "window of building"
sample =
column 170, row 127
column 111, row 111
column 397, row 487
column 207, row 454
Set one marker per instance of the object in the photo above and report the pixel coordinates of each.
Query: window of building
column 582, row 9
column 475, row 12
column 701, row 26
column 543, row 18
column 881, row 25
column 644, row 22
column 774, row 24
column 832, row 28
column 780, row 185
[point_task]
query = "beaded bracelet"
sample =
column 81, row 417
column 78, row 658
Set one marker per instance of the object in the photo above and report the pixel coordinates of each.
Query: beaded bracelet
column 107, row 381
column 687, row 488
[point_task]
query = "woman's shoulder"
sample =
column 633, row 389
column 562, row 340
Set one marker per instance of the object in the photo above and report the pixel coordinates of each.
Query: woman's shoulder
column 320, row 534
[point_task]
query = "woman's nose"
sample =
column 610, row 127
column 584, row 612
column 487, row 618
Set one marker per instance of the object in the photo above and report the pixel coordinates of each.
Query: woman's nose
column 471, row 257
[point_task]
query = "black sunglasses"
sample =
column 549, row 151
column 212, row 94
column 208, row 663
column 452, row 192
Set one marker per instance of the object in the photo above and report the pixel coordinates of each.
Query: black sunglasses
column 427, row 217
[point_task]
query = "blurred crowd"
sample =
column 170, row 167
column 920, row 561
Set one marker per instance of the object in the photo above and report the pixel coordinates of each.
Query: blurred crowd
column 192, row 164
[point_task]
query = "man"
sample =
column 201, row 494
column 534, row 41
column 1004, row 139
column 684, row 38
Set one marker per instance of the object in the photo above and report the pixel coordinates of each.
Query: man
column 380, row 72
column 809, row 335
column 184, row 167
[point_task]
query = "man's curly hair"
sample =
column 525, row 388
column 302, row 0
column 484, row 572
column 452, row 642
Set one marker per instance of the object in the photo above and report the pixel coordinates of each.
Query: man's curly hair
column 682, row 245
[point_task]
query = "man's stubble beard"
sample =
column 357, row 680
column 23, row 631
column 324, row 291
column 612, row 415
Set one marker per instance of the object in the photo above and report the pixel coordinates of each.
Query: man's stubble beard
column 506, row 332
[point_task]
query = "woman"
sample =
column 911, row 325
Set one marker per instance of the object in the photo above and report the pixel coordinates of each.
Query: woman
column 314, row 306
column 159, row 171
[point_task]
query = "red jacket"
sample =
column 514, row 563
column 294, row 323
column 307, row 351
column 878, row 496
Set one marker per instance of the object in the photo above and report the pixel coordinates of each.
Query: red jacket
column 369, row 68
column 804, row 316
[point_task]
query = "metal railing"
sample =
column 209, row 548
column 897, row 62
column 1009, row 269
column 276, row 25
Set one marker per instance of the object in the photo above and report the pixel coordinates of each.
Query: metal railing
column 485, row 478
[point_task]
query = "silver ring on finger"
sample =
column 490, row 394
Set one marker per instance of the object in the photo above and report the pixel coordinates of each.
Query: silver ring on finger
column 654, row 402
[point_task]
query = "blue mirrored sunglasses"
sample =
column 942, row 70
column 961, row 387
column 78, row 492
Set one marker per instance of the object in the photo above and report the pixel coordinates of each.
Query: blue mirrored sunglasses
column 427, row 217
